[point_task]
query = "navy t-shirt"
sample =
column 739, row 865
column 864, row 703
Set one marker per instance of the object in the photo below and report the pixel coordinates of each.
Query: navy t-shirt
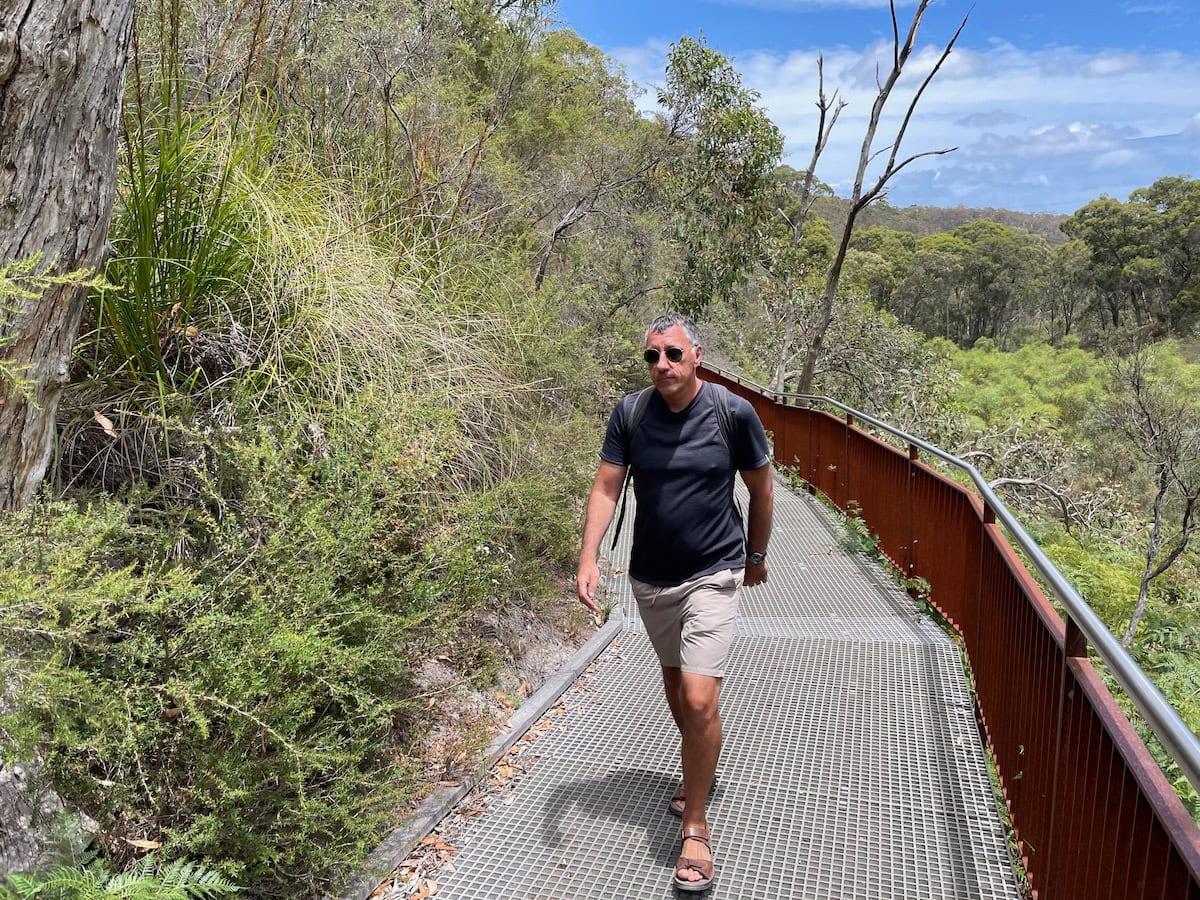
column 686, row 524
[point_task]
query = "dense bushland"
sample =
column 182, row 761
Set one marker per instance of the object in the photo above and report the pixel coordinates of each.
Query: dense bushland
column 235, row 677
column 313, row 436
column 1086, row 451
column 377, row 275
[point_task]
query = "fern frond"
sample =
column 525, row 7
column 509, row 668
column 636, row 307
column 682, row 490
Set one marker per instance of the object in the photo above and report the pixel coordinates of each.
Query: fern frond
column 145, row 880
column 19, row 887
column 72, row 882
column 196, row 881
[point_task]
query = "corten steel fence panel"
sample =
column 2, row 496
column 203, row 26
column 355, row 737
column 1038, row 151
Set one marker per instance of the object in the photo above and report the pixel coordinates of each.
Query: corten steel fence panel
column 1093, row 814
column 791, row 439
column 947, row 524
column 1118, row 814
column 765, row 409
column 880, row 478
column 1017, row 661
column 829, row 464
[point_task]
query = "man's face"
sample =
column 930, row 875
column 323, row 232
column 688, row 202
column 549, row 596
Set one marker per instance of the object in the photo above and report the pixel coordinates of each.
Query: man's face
column 673, row 379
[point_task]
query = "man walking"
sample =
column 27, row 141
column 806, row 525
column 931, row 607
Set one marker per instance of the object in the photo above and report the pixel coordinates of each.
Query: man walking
column 684, row 440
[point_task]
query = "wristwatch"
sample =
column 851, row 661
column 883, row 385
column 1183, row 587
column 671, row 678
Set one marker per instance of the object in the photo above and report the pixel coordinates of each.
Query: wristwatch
column 756, row 559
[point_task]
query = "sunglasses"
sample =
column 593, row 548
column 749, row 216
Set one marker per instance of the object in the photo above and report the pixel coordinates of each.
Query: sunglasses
column 674, row 354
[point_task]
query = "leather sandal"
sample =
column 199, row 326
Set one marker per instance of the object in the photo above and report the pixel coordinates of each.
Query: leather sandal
column 678, row 799
column 704, row 867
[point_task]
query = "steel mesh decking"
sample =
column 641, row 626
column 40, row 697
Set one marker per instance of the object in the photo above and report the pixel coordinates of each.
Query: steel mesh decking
column 852, row 767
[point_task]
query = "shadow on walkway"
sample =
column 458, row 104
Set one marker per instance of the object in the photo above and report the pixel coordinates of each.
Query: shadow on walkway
column 636, row 798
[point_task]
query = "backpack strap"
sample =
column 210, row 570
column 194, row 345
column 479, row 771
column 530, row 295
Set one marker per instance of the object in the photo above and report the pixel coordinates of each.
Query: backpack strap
column 724, row 416
column 641, row 401
column 640, row 404
column 721, row 396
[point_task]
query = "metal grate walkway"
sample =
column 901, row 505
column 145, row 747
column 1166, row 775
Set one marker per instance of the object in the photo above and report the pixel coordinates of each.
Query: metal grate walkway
column 852, row 767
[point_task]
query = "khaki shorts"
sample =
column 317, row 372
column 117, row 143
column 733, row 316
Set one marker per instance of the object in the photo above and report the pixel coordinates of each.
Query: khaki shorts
column 691, row 624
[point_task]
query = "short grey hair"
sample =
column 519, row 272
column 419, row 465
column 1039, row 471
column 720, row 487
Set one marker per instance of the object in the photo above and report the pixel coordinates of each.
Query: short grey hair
column 665, row 323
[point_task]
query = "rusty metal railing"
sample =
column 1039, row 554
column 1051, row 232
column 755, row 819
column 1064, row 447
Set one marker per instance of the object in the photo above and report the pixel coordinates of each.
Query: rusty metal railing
column 1093, row 814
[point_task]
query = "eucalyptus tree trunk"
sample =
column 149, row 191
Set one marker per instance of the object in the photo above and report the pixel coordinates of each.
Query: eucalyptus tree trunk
column 62, row 74
column 779, row 376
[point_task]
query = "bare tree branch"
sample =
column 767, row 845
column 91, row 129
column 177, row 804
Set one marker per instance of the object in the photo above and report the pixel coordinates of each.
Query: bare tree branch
column 859, row 200
column 824, row 130
column 891, row 168
column 1063, row 500
column 1164, row 428
column 582, row 207
column 895, row 36
column 626, row 300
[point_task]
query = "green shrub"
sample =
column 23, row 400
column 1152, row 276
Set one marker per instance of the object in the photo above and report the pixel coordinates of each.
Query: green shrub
column 233, row 678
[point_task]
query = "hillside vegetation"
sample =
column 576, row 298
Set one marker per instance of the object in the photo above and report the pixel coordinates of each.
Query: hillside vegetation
column 378, row 274
column 923, row 221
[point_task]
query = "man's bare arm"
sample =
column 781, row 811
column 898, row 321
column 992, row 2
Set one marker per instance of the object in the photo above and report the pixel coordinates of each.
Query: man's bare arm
column 761, row 484
column 606, row 491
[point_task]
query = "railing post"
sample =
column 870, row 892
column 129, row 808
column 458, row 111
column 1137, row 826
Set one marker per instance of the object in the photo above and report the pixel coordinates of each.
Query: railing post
column 784, row 439
column 975, row 615
column 1075, row 642
column 787, row 457
column 910, row 560
column 812, row 487
column 846, row 462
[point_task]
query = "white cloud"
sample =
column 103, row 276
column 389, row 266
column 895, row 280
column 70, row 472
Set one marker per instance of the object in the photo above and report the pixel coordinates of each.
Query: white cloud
column 1160, row 9
column 1113, row 64
column 1056, row 120
column 1054, row 140
column 1114, row 159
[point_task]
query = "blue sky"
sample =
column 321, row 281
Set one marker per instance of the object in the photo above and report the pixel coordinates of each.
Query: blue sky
column 1050, row 103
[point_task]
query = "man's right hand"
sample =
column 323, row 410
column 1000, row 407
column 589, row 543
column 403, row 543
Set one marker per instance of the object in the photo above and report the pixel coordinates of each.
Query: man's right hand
column 602, row 501
column 587, row 583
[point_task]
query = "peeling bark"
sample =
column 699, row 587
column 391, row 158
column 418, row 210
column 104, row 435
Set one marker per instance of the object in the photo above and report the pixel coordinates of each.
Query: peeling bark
column 62, row 74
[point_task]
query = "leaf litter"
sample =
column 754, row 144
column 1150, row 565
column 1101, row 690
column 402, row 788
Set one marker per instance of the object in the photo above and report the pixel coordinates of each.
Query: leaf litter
column 432, row 860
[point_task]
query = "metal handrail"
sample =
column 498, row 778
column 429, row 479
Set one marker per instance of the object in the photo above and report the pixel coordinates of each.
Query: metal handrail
column 1176, row 737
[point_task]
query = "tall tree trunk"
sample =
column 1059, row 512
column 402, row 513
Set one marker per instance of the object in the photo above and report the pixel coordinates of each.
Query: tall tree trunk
column 825, row 319
column 62, row 74
column 779, row 377
column 1138, row 301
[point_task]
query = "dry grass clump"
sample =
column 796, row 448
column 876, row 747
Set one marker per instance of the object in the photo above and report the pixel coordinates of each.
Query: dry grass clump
column 248, row 287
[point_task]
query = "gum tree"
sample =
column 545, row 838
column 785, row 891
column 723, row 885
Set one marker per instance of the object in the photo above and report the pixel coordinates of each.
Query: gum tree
column 718, row 186
column 62, row 75
column 867, row 191
column 1157, row 412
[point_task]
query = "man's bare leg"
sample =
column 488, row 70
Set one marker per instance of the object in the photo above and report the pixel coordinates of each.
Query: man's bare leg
column 699, row 709
column 671, row 687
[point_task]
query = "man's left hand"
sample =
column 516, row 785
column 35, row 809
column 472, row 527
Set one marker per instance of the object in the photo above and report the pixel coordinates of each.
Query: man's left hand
column 756, row 573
